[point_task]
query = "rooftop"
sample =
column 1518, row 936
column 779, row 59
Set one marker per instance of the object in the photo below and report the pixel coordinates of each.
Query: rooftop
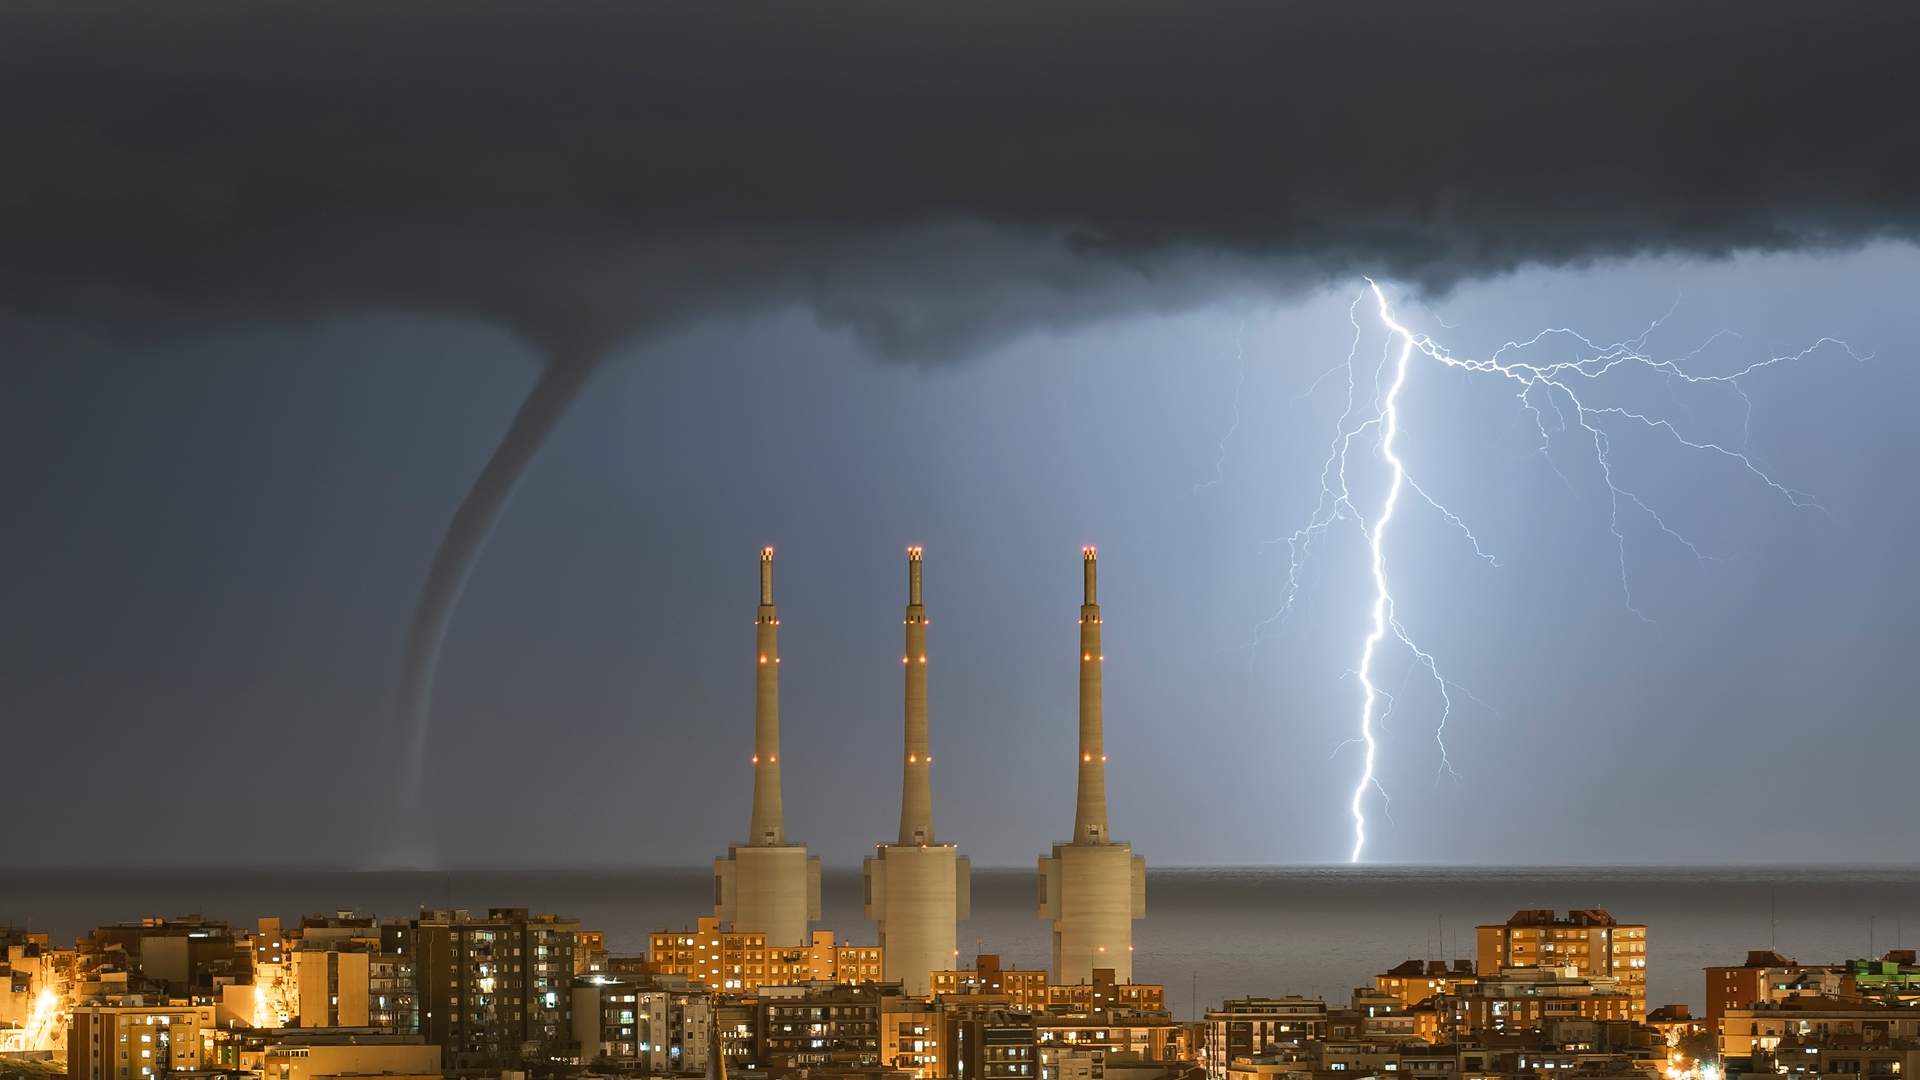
column 1546, row 917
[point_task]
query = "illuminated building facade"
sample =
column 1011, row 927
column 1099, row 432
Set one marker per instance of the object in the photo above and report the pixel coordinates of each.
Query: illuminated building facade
column 495, row 989
column 1378, row 1015
column 1894, row 979
column 1066, row 1062
column 991, row 1043
column 1526, row 998
column 269, row 942
column 1247, row 1027
column 1588, row 940
column 184, row 957
column 1144, row 1035
column 1803, row 1058
column 911, row 1037
column 1673, row 1023
column 1765, row 979
column 738, row 961
column 345, row 970
column 1025, row 989
column 1104, row 993
column 1414, row 981
column 355, row 984
column 1748, row 1032
column 857, row 964
column 737, row 1033
column 135, row 1039
column 803, row 1028
column 36, row 983
column 332, row 1055
column 589, row 952
column 637, row 1027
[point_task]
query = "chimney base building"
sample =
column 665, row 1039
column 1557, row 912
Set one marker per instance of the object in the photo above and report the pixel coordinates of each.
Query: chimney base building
column 768, row 890
column 1092, row 893
column 916, row 895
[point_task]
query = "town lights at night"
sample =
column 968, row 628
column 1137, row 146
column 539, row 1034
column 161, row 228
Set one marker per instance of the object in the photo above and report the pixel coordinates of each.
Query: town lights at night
column 40, row 1029
column 1488, row 422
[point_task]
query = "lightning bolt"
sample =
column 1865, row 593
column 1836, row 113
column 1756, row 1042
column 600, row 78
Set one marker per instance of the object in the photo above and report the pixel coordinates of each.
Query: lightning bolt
column 1239, row 382
column 1540, row 388
column 1382, row 596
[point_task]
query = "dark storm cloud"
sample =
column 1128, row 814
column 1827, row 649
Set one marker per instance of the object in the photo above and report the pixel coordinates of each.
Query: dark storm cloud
column 928, row 177
column 925, row 175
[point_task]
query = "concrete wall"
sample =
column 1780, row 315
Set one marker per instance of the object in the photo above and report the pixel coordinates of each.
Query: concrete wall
column 289, row 1062
column 352, row 983
column 310, row 975
column 1089, row 890
column 334, row 987
column 774, row 891
column 164, row 957
column 586, row 1021
column 914, row 895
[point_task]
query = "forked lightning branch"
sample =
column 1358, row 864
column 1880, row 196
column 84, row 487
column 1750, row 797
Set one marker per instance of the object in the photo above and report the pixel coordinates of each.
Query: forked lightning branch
column 1371, row 421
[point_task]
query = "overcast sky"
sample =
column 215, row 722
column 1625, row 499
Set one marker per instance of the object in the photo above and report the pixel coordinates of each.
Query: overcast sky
column 1001, row 286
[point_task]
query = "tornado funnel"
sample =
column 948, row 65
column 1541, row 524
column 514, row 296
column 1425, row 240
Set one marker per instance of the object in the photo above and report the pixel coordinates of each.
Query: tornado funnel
column 453, row 564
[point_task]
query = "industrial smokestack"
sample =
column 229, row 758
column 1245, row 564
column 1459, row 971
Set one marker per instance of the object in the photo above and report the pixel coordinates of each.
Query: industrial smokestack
column 917, row 890
column 769, row 826
column 454, row 560
column 767, row 885
column 1092, row 887
column 916, row 784
column 1090, row 808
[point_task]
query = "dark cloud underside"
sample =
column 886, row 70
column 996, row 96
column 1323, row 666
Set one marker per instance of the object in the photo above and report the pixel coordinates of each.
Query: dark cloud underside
column 582, row 171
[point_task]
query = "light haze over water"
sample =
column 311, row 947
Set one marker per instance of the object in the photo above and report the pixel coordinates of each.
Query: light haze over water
column 1318, row 931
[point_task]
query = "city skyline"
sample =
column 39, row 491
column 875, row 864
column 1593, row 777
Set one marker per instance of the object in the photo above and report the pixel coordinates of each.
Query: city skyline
column 1406, row 513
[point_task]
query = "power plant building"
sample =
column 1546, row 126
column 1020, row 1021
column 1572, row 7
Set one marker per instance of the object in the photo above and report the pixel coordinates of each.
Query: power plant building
column 1092, row 887
column 767, row 885
column 917, row 888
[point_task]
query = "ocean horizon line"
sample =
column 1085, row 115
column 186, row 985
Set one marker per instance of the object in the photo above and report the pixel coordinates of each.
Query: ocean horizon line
column 264, row 869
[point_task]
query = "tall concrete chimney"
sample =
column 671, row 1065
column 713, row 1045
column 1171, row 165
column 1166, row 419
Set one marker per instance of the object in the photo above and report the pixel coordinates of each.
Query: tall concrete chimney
column 916, row 784
column 767, row 885
column 769, row 827
column 1090, row 807
column 917, row 890
column 1092, row 887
